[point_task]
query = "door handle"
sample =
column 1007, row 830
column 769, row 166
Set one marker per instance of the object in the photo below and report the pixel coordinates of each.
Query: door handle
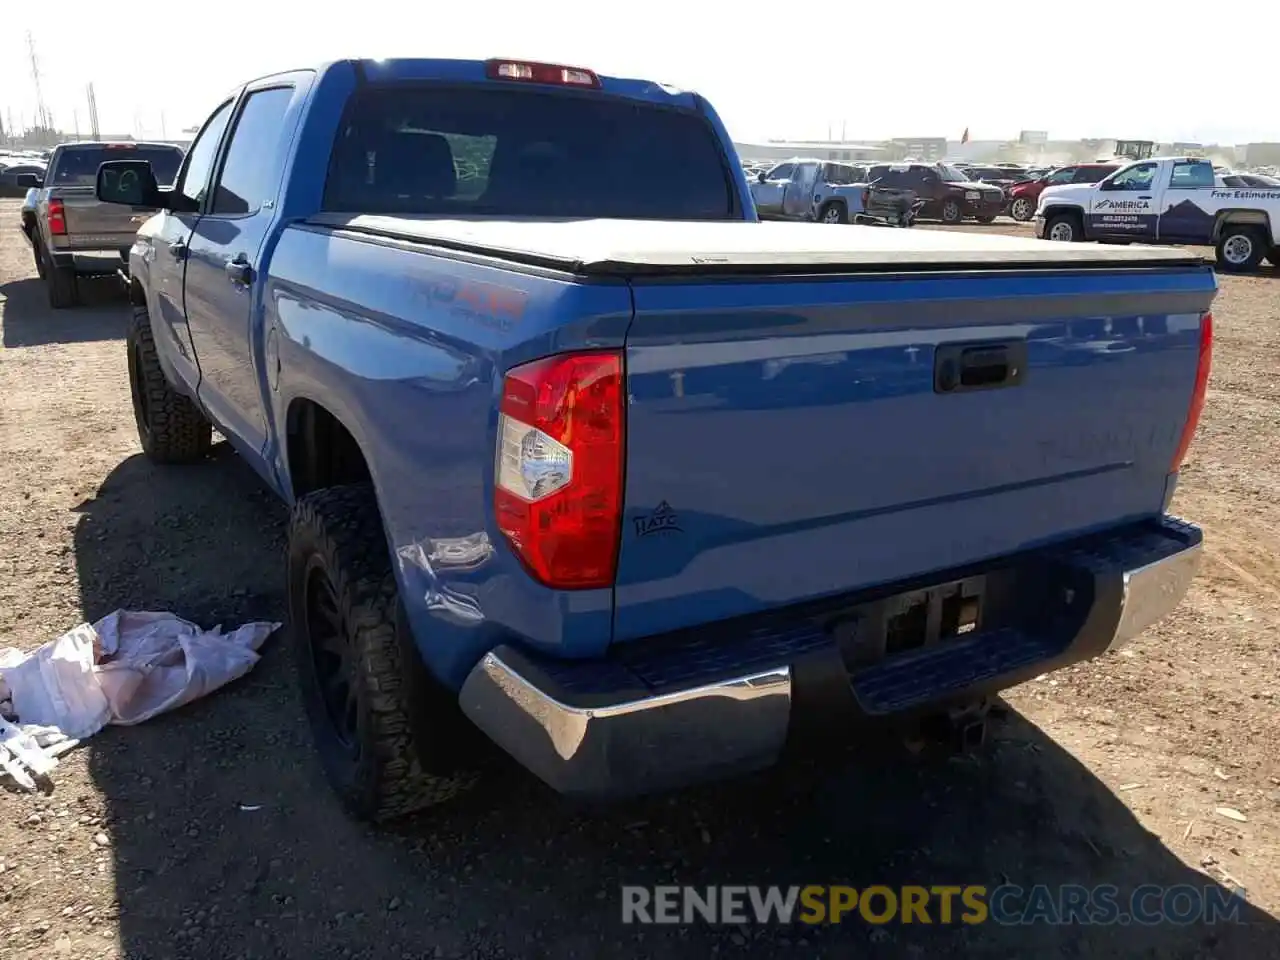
column 179, row 249
column 1148, row 197
column 239, row 271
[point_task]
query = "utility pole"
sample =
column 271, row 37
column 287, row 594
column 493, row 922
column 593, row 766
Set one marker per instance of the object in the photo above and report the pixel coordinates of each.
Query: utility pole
column 93, row 114
column 42, row 114
column 75, row 121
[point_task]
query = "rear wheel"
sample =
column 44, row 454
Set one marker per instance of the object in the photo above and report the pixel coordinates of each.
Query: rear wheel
column 951, row 212
column 61, row 284
column 1064, row 228
column 1240, row 248
column 171, row 428
column 1022, row 209
column 833, row 211
column 389, row 738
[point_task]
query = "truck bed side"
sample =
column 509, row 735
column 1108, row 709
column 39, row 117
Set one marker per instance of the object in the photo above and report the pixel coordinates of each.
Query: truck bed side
column 406, row 349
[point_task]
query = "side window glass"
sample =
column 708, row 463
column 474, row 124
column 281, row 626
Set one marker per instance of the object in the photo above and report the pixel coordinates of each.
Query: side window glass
column 782, row 171
column 1065, row 175
column 1135, row 178
column 201, row 155
column 252, row 169
column 839, row 174
column 1189, row 175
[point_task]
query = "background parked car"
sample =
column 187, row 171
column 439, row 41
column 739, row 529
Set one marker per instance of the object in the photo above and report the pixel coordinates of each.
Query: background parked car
column 801, row 189
column 947, row 193
column 1023, row 197
column 1003, row 177
column 1238, row 180
column 16, row 179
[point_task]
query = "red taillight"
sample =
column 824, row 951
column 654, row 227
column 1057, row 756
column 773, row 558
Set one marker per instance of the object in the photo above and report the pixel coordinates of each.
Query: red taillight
column 1197, row 394
column 558, row 475
column 531, row 72
column 866, row 199
column 57, row 218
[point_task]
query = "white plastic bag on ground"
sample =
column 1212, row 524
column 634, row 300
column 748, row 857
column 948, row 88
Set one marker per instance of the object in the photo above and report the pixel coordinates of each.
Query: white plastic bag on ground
column 126, row 668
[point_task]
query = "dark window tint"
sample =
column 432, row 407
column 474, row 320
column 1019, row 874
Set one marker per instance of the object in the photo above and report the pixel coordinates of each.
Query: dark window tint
column 251, row 172
column 888, row 177
column 1091, row 174
column 524, row 153
column 203, row 152
column 839, row 174
column 78, row 166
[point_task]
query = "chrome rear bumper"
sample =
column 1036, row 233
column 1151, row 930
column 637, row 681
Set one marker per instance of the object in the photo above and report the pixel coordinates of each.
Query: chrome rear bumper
column 636, row 744
column 604, row 729
column 1152, row 591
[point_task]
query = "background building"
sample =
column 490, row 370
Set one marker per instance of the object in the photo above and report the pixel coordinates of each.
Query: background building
column 812, row 149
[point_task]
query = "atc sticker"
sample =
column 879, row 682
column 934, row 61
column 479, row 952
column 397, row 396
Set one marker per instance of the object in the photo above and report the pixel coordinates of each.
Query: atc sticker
column 662, row 520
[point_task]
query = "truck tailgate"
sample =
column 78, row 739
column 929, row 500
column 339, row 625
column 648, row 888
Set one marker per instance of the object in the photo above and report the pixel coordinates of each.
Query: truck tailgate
column 788, row 437
column 93, row 225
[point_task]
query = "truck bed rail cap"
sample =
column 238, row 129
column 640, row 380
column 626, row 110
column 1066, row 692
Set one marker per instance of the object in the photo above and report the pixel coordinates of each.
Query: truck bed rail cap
column 659, row 246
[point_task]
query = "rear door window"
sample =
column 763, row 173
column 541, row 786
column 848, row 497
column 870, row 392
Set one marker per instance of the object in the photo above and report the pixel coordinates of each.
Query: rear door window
column 1091, row 174
column 503, row 152
column 838, row 174
column 1191, row 175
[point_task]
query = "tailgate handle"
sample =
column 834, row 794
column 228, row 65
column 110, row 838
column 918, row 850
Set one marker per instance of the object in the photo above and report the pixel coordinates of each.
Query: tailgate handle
column 979, row 366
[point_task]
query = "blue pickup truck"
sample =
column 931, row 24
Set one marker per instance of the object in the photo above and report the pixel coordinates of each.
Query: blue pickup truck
column 637, row 486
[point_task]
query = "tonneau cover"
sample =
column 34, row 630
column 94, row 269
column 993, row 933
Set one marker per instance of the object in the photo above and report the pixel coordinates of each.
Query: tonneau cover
column 665, row 247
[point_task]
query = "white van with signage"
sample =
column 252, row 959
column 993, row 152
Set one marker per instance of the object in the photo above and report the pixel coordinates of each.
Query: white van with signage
column 1168, row 200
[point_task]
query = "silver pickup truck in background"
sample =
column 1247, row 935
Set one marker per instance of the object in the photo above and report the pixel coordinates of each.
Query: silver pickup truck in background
column 71, row 234
column 809, row 190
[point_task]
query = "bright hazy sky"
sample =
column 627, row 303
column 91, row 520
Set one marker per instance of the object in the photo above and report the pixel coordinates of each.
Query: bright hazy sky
column 1141, row 69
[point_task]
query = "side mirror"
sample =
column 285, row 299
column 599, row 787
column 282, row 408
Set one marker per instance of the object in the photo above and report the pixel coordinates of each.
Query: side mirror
column 29, row 180
column 762, row 176
column 129, row 182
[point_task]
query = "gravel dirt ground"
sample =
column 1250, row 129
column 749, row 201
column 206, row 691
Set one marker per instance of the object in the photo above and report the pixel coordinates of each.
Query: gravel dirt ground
column 210, row 833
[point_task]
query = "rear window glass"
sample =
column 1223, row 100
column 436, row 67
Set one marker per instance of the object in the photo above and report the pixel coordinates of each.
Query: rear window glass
column 424, row 150
column 78, row 166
